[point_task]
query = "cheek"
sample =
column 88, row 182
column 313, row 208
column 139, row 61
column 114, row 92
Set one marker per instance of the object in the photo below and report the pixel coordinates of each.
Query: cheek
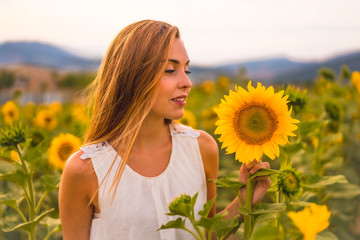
column 166, row 87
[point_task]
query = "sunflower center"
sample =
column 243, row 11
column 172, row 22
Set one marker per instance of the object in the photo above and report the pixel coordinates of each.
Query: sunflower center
column 255, row 124
column 48, row 120
column 11, row 114
column 64, row 151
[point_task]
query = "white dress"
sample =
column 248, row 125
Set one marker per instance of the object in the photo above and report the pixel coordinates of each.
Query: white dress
column 141, row 203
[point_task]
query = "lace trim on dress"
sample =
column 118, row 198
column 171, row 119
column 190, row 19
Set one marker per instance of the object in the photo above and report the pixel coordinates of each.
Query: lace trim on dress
column 183, row 130
column 93, row 149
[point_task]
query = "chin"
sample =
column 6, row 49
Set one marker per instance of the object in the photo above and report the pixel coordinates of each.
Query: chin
column 176, row 117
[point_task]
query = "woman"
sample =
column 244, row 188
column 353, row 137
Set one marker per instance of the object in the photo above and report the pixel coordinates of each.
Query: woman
column 136, row 159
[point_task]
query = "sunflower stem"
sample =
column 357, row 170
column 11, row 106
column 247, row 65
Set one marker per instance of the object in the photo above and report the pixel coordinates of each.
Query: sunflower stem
column 40, row 202
column 30, row 194
column 279, row 199
column 248, row 206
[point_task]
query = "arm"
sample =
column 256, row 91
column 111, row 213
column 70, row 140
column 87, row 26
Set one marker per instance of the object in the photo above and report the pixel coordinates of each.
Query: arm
column 210, row 155
column 75, row 193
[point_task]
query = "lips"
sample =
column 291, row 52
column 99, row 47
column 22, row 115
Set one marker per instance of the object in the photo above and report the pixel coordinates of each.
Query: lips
column 180, row 100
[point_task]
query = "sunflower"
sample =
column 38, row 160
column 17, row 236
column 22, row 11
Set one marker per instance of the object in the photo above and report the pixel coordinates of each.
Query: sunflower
column 223, row 82
column 29, row 110
column 78, row 113
column 61, row 149
column 311, row 220
column 188, row 119
column 254, row 122
column 46, row 119
column 355, row 78
column 10, row 111
column 56, row 107
column 208, row 87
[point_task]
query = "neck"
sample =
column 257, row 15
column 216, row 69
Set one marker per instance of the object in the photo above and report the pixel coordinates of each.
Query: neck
column 152, row 134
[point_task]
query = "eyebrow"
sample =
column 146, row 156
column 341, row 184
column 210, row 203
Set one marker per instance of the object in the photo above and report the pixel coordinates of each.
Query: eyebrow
column 177, row 62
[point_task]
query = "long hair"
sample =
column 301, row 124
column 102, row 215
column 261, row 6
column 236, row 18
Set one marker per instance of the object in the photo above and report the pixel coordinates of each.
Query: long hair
column 126, row 86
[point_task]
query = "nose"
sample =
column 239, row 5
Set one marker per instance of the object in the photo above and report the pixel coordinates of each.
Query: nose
column 184, row 82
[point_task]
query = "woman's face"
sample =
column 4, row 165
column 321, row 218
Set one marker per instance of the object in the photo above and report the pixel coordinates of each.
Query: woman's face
column 175, row 84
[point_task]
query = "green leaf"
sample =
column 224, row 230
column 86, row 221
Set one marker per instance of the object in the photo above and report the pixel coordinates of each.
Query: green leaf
column 293, row 147
column 207, row 208
column 326, row 235
column 33, row 154
column 18, row 177
column 52, row 224
column 228, row 183
column 28, row 226
column 269, row 208
column 265, row 232
column 50, row 182
column 299, row 204
column 178, row 223
column 225, row 227
column 209, row 223
column 326, row 181
column 345, row 191
column 244, row 211
column 264, row 172
column 193, row 201
column 266, row 218
column 10, row 202
column 307, row 127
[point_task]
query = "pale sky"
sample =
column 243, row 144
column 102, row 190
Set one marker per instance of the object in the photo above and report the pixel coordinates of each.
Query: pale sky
column 214, row 31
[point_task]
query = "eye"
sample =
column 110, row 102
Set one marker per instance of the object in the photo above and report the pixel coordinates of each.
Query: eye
column 187, row 72
column 169, row 71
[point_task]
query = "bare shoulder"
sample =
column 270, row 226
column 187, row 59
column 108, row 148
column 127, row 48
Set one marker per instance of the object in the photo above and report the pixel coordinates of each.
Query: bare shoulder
column 209, row 153
column 77, row 167
column 207, row 143
column 77, row 187
column 79, row 172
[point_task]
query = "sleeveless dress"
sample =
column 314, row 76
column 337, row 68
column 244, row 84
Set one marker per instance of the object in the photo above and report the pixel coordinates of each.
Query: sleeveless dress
column 141, row 203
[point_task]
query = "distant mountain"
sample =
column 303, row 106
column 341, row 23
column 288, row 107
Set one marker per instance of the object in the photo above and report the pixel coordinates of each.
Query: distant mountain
column 280, row 69
column 42, row 54
column 271, row 69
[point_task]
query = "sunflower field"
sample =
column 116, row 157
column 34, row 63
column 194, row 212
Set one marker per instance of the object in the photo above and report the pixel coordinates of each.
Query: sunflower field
column 309, row 133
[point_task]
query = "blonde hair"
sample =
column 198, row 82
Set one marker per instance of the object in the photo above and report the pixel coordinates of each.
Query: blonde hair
column 126, row 85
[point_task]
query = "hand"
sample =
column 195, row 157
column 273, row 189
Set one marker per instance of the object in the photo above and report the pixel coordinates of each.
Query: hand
column 262, row 183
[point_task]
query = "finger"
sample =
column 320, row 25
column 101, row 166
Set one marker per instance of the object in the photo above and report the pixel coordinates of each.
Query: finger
column 261, row 179
column 250, row 165
column 243, row 174
column 259, row 166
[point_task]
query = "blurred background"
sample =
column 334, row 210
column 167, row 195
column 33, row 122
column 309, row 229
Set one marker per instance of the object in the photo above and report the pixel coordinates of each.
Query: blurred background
column 50, row 48
column 310, row 49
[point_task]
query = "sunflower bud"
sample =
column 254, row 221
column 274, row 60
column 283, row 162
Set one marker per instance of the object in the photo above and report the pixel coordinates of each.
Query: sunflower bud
column 12, row 135
column 180, row 205
column 333, row 126
column 333, row 110
column 297, row 98
column 37, row 138
column 289, row 182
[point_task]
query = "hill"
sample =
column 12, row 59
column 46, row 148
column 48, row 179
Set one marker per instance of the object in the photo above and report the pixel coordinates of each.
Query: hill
column 278, row 69
column 41, row 54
